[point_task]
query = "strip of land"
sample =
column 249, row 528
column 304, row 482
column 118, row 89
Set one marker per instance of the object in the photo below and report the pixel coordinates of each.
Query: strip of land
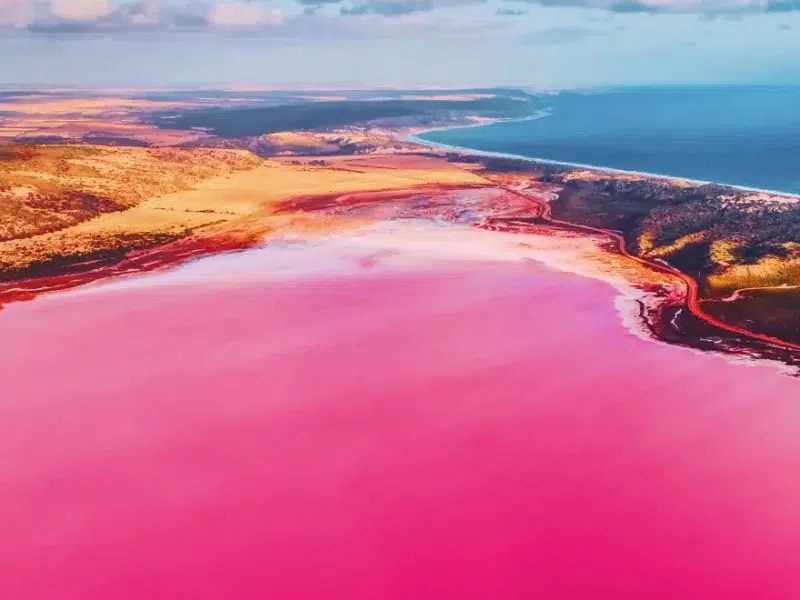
column 106, row 186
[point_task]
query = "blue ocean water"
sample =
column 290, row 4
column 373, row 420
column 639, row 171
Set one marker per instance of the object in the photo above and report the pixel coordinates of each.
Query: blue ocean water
column 737, row 135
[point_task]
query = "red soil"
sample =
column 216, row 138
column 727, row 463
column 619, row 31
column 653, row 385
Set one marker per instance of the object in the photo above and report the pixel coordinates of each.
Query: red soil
column 76, row 274
column 692, row 291
column 484, row 203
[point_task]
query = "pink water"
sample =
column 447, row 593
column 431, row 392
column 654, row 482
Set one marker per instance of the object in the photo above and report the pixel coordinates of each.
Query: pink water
column 475, row 431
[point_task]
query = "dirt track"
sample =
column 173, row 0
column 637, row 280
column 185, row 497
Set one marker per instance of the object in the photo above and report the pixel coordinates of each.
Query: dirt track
column 692, row 289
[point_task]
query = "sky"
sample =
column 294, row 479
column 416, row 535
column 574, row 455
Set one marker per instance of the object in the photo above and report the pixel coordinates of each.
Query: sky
column 441, row 43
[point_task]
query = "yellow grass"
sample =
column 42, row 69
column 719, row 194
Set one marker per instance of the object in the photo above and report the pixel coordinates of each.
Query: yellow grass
column 299, row 139
column 71, row 118
column 192, row 190
column 645, row 242
column 677, row 245
column 598, row 175
column 722, row 252
column 129, row 175
column 41, row 186
column 681, row 183
column 84, row 106
column 770, row 271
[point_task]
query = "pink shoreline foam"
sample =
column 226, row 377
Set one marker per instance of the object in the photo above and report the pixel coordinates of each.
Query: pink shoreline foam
column 474, row 430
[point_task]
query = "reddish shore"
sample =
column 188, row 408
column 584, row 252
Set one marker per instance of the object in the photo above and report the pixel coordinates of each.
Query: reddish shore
column 376, row 188
column 460, row 429
column 693, row 302
column 71, row 275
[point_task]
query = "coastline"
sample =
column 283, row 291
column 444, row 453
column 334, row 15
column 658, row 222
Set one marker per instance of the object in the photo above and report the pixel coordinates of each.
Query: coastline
column 415, row 139
column 477, row 122
column 776, row 345
column 349, row 190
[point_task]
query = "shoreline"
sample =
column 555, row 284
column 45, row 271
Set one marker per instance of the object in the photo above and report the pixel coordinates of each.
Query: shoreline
column 691, row 299
column 415, row 139
column 777, row 345
column 364, row 184
column 479, row 122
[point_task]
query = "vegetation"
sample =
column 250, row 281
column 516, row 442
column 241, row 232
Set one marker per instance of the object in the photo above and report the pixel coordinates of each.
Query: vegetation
column 741, row 247
column 48, row 195
column 726, row 238
column 231, row 122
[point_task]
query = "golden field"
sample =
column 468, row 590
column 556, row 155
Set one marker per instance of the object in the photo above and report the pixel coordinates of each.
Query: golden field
column 74, row 203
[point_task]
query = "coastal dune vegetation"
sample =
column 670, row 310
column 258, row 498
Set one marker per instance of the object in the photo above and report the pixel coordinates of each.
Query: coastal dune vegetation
column 68, row 205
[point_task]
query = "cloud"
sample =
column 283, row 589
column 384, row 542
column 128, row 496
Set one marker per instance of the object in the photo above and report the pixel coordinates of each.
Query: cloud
column 388, row 8
column 79, row 10
column 395, row 8
column 704, row 7
column 783, row 5
column 380, row 19
column 70, row 17
column 89, row 16
column 13, row 13
column 84, row 17
column 557, row 36
column 243, row 14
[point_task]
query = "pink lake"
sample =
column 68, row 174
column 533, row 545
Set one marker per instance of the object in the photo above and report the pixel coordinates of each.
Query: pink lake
column 464, row 430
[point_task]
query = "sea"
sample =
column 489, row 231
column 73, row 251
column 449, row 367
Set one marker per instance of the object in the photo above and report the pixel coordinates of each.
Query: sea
column 747, row 136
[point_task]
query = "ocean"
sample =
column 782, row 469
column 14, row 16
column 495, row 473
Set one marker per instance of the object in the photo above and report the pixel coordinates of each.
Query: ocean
column 745, row 136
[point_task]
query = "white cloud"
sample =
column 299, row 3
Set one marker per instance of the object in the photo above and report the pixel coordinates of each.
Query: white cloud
column 706, row 7
column 80, row 10
column 13, row 13
column 243, row 14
